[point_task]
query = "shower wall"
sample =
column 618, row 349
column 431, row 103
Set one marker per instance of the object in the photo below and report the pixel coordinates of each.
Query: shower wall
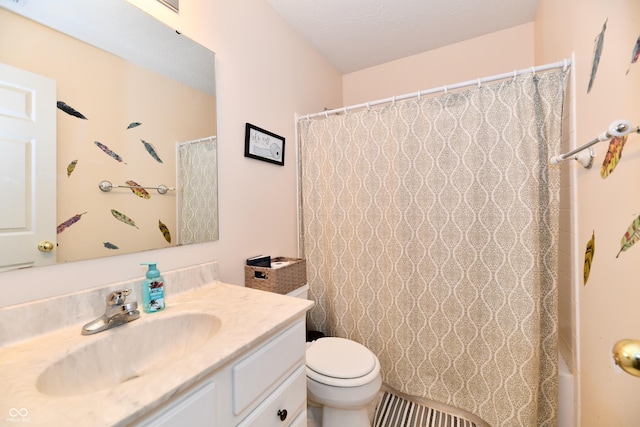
column 567, row 302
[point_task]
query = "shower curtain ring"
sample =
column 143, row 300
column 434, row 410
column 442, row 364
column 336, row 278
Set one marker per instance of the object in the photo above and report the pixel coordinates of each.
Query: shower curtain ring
column 368, row 105
column 564, row 62
column 393, row 100
column 479, row 82
column 515, row 74
column 445, row 89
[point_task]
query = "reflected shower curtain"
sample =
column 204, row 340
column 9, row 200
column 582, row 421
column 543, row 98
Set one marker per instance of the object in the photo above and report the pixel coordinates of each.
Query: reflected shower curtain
column 430, row 232
column 198, row 195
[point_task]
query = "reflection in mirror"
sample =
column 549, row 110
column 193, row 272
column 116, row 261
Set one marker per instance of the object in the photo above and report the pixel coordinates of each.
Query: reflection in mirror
column 197, row 200
column 120, row 121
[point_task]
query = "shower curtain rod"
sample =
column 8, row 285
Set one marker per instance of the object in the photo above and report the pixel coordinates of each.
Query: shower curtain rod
column 560, row 64
column 195, row 141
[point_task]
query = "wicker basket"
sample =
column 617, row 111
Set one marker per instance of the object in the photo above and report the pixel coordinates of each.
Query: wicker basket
column 280, row 280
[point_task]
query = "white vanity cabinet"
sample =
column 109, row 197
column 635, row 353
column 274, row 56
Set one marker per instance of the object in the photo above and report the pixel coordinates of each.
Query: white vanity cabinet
column 195, row 408
column 264, row 387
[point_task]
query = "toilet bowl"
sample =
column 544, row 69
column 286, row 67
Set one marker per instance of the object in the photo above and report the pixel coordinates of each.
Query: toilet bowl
column 343, row 378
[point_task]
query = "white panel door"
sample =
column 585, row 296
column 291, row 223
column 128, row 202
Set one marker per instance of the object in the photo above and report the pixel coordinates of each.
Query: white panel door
column 27, row 168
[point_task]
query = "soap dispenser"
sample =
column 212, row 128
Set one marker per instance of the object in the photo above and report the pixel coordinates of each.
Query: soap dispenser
column 152, row 289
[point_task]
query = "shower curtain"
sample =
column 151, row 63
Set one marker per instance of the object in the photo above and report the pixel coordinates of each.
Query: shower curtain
column 198, row 195
column 430, row 232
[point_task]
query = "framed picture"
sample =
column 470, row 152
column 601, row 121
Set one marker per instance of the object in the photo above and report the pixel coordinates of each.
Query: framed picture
column 263, row 145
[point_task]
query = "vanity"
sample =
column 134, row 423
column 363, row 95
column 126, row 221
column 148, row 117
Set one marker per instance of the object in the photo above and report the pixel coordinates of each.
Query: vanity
column 218, row 355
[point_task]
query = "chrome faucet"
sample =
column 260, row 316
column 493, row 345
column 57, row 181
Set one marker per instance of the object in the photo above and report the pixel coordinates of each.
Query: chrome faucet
column 116, row 313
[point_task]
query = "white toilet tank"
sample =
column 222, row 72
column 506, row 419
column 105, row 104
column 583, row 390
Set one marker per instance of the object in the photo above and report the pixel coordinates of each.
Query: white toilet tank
column 301, row 292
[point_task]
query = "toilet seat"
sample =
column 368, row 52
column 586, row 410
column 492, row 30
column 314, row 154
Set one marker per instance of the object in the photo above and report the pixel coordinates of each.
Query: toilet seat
column 341, row 362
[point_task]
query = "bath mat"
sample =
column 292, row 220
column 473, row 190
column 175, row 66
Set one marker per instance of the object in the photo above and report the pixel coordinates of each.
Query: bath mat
column 396, row 411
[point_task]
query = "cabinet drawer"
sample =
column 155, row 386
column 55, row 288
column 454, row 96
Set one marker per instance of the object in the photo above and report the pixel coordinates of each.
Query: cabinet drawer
column 301, row 421
column 252, row 376
column 196, row 409
column 290, row 396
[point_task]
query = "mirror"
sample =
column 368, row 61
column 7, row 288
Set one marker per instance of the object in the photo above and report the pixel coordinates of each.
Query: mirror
column 136, row 108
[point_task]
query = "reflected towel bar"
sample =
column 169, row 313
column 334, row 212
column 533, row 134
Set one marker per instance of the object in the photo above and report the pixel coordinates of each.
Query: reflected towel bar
column 108, row 186
column 616, row 129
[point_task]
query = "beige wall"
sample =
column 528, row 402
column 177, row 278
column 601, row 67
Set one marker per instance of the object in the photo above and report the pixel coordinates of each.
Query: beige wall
column 483, row 56
column 608, row 303
column 265, row 75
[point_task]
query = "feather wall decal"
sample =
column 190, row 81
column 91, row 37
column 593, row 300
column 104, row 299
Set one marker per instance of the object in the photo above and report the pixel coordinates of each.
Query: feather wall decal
column 70, row 110
column 123, row 218
column 71, row 167
column 588, row 256
column 109, row 152
column 597, row 52
column 631, row 236
column 110, row 245
column 133, row 125
column 635, row 54
column 68, row 223
column 138, row 190
column 614, row 153
column 151, row 150
column 165, row 231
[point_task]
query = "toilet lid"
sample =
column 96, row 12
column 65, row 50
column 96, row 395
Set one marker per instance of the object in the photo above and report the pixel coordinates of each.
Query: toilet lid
column 340, row 358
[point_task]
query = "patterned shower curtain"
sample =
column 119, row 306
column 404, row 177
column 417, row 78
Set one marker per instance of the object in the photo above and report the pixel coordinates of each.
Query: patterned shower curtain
column 198, row 195
column 430, row 232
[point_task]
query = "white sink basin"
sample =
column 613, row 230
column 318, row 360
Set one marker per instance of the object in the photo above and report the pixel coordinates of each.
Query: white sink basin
column 127, row 352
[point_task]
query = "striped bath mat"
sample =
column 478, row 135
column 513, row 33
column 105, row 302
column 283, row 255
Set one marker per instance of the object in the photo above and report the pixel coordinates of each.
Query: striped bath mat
column 396, row 411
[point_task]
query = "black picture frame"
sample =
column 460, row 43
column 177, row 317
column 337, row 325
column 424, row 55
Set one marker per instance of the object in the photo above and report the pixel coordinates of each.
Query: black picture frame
column 263, row 145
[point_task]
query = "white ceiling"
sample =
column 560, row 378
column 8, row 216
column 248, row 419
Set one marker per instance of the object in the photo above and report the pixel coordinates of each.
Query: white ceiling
column 357, row 34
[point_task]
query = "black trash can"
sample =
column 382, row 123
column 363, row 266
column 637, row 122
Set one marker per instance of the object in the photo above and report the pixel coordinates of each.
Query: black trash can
column 314, row 335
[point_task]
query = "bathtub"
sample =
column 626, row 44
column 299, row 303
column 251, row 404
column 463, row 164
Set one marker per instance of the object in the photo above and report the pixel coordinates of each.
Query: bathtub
column 565, row 395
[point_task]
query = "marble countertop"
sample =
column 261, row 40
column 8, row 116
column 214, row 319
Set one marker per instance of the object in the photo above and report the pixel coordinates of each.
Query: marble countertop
column 247, row 317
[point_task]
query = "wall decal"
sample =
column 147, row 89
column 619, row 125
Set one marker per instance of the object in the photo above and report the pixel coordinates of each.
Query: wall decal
column 597, row 51
column 613, row 156
column 109, row 152
column 138, row 190
column 71, row 167
column 110, row 245
column 631, row 236
column 123, row 218
column 70, row 110
column 165, row 231
column 588, row 256
column 68, row 223
column 151, row 150
column 635, row 54
column 133, row 125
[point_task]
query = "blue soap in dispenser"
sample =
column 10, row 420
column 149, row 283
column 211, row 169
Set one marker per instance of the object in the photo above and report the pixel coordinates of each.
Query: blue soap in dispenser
column 152, row 289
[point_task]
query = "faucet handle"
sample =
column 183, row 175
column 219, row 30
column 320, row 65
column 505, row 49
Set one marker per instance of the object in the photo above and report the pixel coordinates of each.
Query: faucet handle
column 118, row 297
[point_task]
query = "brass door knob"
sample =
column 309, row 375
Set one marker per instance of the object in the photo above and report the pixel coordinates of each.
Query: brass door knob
column 626, row 354
column 45, row 246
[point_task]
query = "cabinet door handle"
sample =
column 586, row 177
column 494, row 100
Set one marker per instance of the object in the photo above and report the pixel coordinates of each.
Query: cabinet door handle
column 282, row 413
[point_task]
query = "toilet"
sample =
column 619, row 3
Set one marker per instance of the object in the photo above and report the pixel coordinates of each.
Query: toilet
column 343, row 378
